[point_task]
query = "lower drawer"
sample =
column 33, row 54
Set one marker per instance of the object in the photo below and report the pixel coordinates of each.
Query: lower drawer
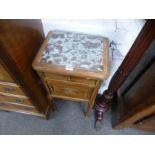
column 70, row 90
column 15, row 100
column 19, row 108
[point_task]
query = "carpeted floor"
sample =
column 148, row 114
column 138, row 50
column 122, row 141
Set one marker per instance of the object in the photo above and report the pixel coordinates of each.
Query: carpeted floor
column 68, row 120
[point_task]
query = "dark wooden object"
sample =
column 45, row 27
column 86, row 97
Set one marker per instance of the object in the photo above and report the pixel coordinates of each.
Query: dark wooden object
column 146, row 124
column 19, row 43
column 143, row 41
column 136, row 98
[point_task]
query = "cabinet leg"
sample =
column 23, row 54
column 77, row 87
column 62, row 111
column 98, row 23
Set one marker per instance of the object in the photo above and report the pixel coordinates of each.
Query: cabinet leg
column 89, row 108
column 51, row 99
column 102, row 106
column 54, row 106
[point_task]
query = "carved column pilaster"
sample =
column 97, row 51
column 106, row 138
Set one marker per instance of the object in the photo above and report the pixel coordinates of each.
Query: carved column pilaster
column 102, row 105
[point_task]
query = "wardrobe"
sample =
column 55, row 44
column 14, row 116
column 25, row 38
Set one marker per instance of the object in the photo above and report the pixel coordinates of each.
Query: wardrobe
column 20, row 87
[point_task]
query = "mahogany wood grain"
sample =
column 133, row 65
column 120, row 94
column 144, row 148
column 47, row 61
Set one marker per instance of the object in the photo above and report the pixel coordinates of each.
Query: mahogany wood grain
column 139, row 100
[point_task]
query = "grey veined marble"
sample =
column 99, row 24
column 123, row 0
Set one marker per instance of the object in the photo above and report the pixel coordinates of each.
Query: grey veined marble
column 74, row 50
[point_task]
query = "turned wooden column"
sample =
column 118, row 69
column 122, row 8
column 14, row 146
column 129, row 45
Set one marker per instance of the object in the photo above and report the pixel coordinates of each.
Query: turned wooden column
column 144, row 39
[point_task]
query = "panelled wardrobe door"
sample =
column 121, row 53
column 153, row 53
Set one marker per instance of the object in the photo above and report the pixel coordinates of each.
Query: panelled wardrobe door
column 20, row 87
column 134, row 103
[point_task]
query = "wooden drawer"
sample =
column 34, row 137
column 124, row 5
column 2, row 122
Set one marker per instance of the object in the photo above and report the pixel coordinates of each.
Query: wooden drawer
column 4, row 76
column 85, row 81
column 56, row 76
column 11, row 89
column 64, row 89
column 90, row 82
column 18, row 108
column 15, row 100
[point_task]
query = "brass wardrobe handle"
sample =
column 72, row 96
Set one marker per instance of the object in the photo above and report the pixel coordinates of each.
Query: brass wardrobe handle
column 9, row 90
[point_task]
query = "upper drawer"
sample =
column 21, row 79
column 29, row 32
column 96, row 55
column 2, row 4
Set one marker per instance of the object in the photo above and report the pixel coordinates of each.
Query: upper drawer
column 56, row 76
column 90, row 82
column 4, row 75
column 11, row 89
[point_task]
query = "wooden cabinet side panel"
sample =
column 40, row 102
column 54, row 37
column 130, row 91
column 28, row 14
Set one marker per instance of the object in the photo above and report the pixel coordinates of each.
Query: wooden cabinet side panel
column 20, row 40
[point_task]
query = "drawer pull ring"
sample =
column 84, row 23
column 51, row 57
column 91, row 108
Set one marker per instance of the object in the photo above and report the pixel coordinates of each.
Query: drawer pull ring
column 8, row 90
column 18, row 100
column 68, row 78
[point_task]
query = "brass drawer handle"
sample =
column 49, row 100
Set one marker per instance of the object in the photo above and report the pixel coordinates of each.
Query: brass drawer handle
column 70, row 91
column 68, row 78
column 18, row 100
column 8, row 90
column 52, row 89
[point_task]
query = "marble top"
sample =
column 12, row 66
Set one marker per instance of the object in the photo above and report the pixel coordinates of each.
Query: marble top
column 74, row 50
